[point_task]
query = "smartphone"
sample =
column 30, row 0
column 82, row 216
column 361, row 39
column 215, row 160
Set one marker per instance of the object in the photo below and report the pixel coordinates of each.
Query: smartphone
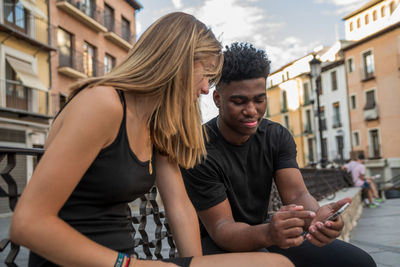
column 338, row 212
column 332, row 217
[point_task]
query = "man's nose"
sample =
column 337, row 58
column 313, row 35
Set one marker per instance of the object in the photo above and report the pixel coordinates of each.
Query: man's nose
column 250, row 109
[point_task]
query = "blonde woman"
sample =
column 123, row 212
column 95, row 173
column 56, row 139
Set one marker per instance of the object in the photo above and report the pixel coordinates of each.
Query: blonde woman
column 117, row 136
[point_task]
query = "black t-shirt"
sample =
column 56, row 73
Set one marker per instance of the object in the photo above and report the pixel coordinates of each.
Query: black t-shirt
column 241, row 173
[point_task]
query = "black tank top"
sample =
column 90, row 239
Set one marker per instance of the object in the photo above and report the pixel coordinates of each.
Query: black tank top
column 98, row 206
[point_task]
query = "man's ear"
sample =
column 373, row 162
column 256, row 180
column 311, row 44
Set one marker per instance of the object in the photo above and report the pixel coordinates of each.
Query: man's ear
column 217, row 98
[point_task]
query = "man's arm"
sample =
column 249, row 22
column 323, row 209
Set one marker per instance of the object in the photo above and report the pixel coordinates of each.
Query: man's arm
column 284, row 230
column 292, row 190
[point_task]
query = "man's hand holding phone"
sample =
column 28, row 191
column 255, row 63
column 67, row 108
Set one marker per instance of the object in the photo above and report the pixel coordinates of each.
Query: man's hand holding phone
column 327, row 224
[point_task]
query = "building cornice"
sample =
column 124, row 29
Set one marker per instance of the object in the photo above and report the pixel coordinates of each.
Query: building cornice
column 372, row 36
column 361, row 9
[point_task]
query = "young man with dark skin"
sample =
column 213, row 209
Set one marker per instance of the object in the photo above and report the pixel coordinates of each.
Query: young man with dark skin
column 245, row 152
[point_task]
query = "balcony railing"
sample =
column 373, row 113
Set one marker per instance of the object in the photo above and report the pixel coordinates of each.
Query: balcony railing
column 21, row 98
column 119, row 33
column 336, row 122
column 36, row 31
column 366, row 75
column 371, row 113
column 91, row 16
column 307, row 129
column 77, row 65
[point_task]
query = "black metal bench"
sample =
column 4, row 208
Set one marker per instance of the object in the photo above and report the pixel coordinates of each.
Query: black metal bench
column 152, row 235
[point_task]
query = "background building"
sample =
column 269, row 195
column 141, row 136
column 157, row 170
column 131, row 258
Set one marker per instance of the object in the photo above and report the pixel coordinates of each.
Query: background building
column 92, row 36
column 373, row 82
column 25, row 47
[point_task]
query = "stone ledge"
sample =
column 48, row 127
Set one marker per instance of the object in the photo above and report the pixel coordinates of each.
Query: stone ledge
column 352, row 213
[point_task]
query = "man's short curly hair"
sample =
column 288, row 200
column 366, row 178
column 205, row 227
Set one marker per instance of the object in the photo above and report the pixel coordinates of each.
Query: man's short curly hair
column 242, row 61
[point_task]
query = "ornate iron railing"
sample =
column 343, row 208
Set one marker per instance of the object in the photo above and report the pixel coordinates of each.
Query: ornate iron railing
column 148, row 238
column 152, row 240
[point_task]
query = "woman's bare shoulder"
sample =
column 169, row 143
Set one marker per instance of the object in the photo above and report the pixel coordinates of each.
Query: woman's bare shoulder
column 92, row 109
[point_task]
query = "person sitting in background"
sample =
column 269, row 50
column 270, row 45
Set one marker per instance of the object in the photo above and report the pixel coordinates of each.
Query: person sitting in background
column 357, row 170
column 117, row 136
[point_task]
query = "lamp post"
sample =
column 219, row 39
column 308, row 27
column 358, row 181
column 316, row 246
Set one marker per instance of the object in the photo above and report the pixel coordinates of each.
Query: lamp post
column 315, row 66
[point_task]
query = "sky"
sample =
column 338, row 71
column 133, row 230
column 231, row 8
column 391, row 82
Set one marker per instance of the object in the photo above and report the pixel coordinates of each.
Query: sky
column 285, row 29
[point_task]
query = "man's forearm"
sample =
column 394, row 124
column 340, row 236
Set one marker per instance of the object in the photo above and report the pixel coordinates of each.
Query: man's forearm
column 237, row 236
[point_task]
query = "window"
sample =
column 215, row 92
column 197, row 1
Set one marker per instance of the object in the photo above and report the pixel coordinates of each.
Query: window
column 370, row 100
column 109, row 63
column 374, row 15
column 350, row 65
column 89, row 62
column 382, row 11
column 284, row 102
column 353, row 102
column 286, row 121
column 109, row 17
column 88, row 7
column 310, row 143
column 126, row 29
column 368, row 60
column 308, row 122
column 306, row 93
column 64, row 43
column 287, row 75
column 16, row 93
column 15, row 15
column 358, row 23
column 366, row 19
column 336, row 115
column 392, row 7
column 339, row 146
column 323, row 120
column 351, row 26
column 334, row 81
column 356, row 139
column 375, row 147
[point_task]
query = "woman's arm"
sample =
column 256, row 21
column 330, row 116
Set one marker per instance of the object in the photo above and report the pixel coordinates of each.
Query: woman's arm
column 180, row 211
column 89, row 123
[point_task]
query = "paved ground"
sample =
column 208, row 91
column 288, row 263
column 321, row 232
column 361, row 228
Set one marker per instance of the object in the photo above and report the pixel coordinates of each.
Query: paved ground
column 377, row 232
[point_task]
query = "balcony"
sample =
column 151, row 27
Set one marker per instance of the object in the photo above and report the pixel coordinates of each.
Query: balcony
column 90, row 16
column 366, row 75
column 24, row 101
column 78, row 66
column 118, row 33
column 29, row 27
column 371, row 114
column 307, row 129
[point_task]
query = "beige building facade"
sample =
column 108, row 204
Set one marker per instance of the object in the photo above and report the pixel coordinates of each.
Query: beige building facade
column 373, row 79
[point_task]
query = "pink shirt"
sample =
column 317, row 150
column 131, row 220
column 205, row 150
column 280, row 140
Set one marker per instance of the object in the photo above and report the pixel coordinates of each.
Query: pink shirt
column 357, row 171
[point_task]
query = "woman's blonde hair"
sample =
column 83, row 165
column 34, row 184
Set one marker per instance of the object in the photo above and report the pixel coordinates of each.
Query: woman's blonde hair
column 161, row 65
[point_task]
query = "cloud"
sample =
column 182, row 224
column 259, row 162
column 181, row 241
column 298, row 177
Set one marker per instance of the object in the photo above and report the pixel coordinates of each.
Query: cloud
column 234, row 20
column 287, row 50
column 344, row 6
column 177, row 4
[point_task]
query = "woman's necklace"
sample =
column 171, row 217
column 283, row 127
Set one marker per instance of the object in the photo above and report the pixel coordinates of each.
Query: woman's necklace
column 151, row 156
